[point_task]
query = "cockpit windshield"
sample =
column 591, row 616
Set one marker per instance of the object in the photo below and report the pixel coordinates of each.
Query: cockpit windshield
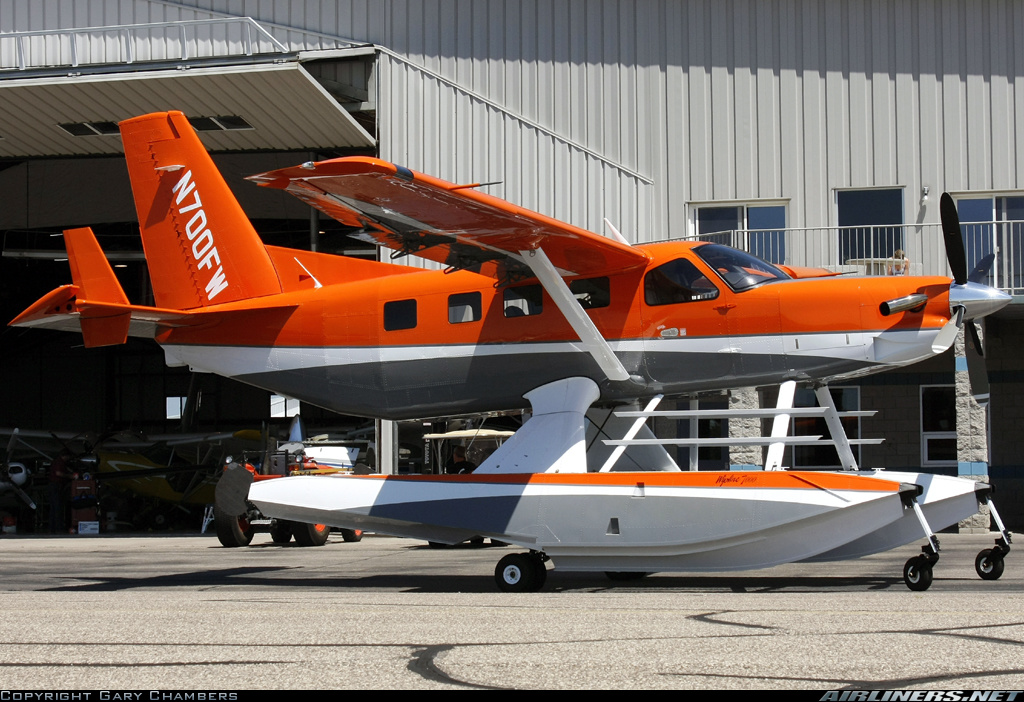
column 740, row 270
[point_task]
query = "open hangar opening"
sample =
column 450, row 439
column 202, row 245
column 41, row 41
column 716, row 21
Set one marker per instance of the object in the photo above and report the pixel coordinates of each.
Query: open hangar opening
column 62, row 167
column 661, row 117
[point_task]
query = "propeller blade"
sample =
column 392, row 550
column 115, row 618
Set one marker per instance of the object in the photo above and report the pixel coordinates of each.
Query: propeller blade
column 982, row 269
column 947, row 335
column 976, row 370
column 955, row 253
column 10, row 446
column 974, row 340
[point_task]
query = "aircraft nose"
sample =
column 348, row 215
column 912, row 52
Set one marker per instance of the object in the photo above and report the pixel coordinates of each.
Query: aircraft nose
column 977, row 300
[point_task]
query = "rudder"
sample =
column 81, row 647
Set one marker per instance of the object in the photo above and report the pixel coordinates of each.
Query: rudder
column 200, row 247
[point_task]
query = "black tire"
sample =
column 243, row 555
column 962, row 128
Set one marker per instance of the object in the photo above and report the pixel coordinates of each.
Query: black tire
column 622, row 575
column 281, row 531
column 519, row 572
column 989, row 564
column 352, row 535
column 232, row 531
column 310, row 534
column 541, row 575
column 917, row 573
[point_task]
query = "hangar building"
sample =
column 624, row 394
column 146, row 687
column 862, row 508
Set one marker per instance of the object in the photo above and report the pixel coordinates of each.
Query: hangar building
column 813, row 133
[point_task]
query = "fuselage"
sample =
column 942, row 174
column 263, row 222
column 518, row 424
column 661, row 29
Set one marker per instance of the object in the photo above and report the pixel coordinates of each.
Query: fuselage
column 376, row 339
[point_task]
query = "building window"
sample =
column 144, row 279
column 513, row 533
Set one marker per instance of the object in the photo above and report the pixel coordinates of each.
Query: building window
column 755, row 228
column 938, row 425
column 677, row 281
column 825, row 455
column 524, row 301
column 400, row 314
column 591, row 293
column 994, row 224
column 281, row 406
column 176, row 406
column 870, row 226
column 464, row 307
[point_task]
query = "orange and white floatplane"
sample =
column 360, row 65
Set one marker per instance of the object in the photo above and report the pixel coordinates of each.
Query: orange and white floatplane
column 529, row 313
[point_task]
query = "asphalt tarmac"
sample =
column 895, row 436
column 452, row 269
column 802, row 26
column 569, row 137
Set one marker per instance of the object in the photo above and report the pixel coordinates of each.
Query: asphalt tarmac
column 181, row 612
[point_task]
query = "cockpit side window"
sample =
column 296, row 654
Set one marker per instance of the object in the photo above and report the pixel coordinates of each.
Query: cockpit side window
column 677, row 281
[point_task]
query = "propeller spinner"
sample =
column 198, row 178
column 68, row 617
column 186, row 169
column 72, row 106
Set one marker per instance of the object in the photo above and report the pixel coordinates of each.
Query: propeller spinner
column 969, row 299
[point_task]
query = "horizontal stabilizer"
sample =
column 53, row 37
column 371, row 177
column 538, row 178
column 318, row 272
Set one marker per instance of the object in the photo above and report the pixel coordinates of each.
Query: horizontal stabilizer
column 107, row 323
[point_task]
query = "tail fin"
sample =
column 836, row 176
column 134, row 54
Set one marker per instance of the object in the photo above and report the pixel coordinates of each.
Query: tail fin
column 200, row 247
column 96, row 282
column 90, row 270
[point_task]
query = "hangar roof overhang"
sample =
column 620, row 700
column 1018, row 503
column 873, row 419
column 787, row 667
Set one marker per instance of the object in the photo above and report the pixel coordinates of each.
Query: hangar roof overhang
column 285, row 106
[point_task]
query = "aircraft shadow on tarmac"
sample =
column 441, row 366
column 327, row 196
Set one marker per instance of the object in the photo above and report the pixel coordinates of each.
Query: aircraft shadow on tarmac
column 290, row 577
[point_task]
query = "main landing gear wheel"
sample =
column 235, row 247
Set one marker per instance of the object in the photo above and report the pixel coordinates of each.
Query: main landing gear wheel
column 989, row 564
column 352, row 535
column 281, row 531
column 310, row 534
column 917, row 573
column 232, row 531
column 521, row 572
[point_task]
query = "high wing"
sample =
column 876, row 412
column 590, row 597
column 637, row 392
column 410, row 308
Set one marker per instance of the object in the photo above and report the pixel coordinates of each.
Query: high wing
column 456, row 225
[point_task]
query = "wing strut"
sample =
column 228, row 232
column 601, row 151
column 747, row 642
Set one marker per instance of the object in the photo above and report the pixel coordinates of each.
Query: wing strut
column 595, row 344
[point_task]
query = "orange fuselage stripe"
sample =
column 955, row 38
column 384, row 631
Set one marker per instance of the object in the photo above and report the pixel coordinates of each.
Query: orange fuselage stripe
column 685, row 479
column 343, row 314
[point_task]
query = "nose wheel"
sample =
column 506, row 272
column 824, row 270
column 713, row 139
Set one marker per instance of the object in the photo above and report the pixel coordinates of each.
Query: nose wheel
column 917, row 572
column 521, row 572
column 989, row 563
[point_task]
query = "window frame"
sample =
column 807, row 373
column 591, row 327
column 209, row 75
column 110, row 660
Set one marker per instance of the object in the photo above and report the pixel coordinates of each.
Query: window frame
column 283, row 407
column 776, row 252
column 461, row 301
column 603, row 287
column 928, row 435
column 649, row 288
column 535, row 289
column 822, row 428
column 397, row 314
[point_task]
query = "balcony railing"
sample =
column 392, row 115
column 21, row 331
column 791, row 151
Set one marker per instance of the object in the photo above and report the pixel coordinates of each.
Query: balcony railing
column 181, row 40
column 875, row 250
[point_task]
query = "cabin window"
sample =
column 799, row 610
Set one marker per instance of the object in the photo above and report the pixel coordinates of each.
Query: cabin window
column 524, row 301
column 591, row 293
column 677, row 281
column 400, row 314
column 938, row 425
column 464, row 307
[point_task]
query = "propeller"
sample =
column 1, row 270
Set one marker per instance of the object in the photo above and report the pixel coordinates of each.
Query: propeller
column 969, row 299
column 955, row 253
column 14, row 474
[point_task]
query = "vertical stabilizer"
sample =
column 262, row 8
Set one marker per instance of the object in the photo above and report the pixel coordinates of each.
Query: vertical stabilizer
column 90, row 270
column 96, row 282
column 200, row 247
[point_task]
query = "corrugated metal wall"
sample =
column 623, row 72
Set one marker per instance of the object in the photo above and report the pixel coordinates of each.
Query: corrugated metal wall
column 633, row 109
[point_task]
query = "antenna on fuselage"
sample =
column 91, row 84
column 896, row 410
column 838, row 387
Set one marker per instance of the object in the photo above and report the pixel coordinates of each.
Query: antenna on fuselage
column 615, row 233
